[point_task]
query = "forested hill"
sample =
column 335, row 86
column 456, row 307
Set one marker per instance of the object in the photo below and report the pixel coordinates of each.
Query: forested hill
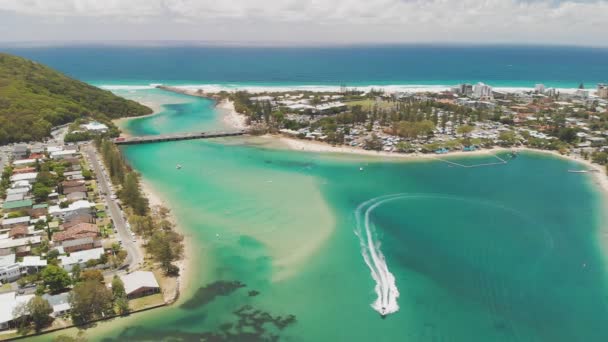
column 34, row 98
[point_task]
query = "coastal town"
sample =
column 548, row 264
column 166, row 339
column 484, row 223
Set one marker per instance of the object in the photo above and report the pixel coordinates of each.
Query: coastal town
column 464, row 118
column 72, row 244
column 76, row 222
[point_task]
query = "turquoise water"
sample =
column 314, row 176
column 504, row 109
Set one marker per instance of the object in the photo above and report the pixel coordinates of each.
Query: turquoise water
column 504, row 253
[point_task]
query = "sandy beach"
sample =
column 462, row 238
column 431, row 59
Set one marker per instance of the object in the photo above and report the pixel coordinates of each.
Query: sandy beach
column 186, row 264
column 599, row 173
column 230, row 116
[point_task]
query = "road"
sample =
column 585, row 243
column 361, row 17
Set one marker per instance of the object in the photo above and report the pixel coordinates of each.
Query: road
column 134, row 256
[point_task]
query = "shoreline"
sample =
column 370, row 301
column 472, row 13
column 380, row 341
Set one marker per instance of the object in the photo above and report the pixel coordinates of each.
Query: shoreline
column 186, row 263
column 599, row 173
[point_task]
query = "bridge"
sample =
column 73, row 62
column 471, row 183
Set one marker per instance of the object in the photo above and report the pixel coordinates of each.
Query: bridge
column 176, row 137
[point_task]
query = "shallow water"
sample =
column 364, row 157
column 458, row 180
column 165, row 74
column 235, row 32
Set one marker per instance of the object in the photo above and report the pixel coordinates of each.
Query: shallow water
column 503, row 253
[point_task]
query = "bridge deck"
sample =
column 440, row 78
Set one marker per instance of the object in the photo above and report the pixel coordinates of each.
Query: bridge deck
column 176, row 137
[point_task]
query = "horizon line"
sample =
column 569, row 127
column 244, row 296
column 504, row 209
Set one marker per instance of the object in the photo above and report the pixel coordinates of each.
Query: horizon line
column 274, row 44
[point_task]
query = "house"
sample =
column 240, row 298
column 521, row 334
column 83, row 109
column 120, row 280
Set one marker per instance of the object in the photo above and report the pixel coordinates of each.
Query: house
column 76, row 196
column 21, row 247
column 81, row 188
column 140, row 284
column 60, row 303
column 76, row 218
column 20, row 152
column 32, row 264
column 76, row 207
column 29, row 177
column 77, row 231
column 23, row 170
column 39, row 210
column 15, row 197
column 95, row 127
column 24, row 162
column 8, row 303
column 81, row 244
column 80, row 258
column 9, row 269
column 17, row 191
column 23, row 205
column 63, row 154
column 14, row 222
column 18, row 232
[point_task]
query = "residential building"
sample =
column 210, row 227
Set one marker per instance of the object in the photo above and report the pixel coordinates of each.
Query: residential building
column 32, row 264
column 60, row 303
column 9, row 269
column 20, row 247
column 80, row 258
column 29, row 177
column 20, row 152
column 140, row 284
column 76, row 207
column 14, row 222
column 23, row 205
column 95, row 127
column 8, row 303
column 81, row 244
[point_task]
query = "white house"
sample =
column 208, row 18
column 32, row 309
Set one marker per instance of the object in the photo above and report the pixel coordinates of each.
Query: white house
column 57, row 211
column 140, row 284
column 9, row 269
column 8, row 303
column 29, row 177
column 60, row 303
column 95, row 127
column 80, row 258
column 63, row 154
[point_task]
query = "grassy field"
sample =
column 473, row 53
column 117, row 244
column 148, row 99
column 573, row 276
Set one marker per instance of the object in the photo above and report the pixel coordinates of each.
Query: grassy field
column 369, row 103
column 145, row 302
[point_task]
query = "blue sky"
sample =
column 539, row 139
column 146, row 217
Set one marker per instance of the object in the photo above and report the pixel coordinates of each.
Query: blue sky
column 295, row 22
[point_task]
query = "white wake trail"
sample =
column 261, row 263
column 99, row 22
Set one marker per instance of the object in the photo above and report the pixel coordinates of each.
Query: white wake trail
column 386, row 288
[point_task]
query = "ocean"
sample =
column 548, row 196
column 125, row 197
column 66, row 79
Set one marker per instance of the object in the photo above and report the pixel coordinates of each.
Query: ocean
column 313, row 247
column 501, row 66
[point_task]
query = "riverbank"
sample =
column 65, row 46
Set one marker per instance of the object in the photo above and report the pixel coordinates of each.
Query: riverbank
column 186, row 263
column 597, row 171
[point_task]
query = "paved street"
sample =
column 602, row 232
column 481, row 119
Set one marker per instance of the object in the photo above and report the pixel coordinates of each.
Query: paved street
column 135, row 257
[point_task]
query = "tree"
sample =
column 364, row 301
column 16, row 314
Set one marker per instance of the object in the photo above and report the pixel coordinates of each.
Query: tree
column 507, row 138
column 55, row 278
column 39, row 310
column 41, row 192
column 90, row 300
column 374, row 143
column 95, row 275
column 121, row 302
column 465, row 129
column 76, row 273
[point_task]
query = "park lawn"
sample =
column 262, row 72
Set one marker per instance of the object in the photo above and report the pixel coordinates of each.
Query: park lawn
column 367, row 104
column 146, row 302
column 6, row 288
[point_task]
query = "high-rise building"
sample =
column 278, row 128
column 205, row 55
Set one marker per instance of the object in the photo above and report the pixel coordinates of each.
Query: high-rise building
column 602, row 90
column 465, row 89
column 482, row 91
column 539, row 89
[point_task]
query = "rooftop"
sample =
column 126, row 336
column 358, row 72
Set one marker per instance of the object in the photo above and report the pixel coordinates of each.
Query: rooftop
column 137, row 280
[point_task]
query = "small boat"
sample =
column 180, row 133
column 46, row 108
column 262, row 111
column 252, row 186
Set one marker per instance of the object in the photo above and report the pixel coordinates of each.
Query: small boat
column 360, row 169
column 178, row 166
column 578, row 171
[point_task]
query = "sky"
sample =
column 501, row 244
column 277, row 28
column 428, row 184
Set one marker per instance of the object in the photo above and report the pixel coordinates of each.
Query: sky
column 301, row 22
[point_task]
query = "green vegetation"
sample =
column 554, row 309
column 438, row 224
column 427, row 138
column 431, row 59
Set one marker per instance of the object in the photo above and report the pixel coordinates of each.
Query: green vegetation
column 55, row 278
column 163, row 243
column 121, row 302
column 90, row 300
column 34, row 98
column 39, row 310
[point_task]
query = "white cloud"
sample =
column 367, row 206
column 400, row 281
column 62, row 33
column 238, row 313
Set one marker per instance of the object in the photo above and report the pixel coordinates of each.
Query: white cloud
column 574, row 22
